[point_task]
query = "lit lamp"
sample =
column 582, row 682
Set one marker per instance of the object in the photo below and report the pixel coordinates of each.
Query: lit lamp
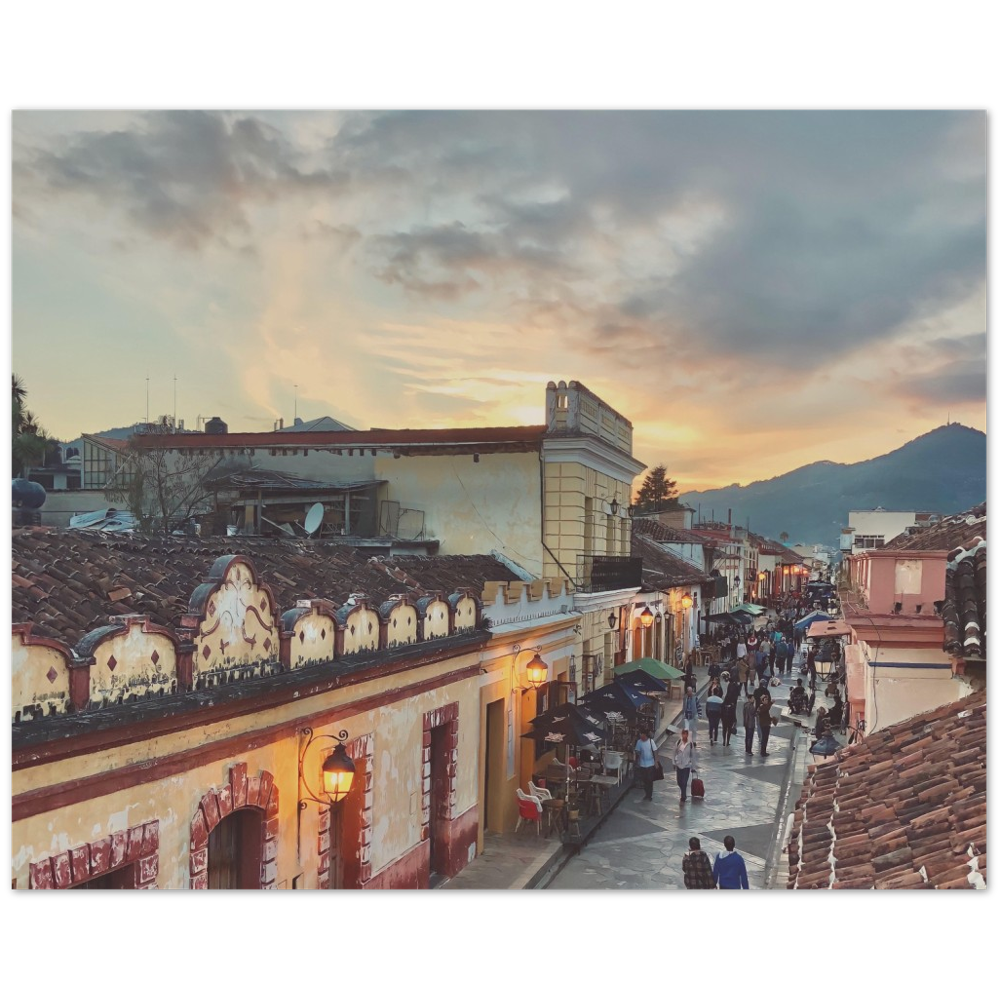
column 337, row 770
column 646, row 618
column 536, row 670
column 687, row 601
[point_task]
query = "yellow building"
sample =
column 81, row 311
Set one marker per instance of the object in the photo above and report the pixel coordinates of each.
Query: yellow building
column 180, row 743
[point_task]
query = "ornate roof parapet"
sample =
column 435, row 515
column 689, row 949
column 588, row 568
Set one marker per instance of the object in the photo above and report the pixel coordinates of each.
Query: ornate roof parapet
column 517, row 601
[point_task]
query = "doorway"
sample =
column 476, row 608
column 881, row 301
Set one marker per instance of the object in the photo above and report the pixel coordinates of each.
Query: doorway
column 440, row 794
column 494, row 781
column 235, row 851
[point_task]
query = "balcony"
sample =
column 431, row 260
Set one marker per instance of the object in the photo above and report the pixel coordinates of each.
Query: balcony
column 595, row 574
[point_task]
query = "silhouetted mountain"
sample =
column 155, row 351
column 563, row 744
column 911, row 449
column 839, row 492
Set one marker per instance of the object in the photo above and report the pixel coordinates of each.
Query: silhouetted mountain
column 943, row 471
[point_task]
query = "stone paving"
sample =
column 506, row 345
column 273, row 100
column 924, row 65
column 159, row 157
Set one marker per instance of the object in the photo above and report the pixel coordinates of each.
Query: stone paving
column 641, row 846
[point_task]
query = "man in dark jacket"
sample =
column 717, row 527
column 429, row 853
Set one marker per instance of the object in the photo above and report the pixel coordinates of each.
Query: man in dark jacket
column 730, row 870
column 764, row 722
column 697, row 868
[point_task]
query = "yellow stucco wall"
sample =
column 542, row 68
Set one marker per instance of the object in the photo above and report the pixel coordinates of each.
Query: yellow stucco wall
column 472, row 507
column 402, row 626
column 313, row 640
column 436, row 620
column 30, row 681
column 397, row 730
column 577, row 496
column 239, row 627
column 135, row 671
column 361, row 631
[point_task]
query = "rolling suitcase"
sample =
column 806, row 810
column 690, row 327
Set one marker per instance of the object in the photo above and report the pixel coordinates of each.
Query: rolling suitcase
column 697, row 788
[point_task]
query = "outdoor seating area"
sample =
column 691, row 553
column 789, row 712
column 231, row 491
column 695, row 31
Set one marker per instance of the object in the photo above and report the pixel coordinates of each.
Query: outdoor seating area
column 596, row 737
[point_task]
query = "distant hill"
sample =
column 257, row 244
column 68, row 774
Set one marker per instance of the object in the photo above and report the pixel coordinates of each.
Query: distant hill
column 943, row 470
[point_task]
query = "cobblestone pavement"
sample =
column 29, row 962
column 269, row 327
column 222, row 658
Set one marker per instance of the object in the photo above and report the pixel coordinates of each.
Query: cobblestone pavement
column 642, row 844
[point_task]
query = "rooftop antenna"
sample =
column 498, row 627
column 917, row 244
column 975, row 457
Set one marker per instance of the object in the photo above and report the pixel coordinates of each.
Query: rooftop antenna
column 175, row 400
column 147, row 397
column 296, row 411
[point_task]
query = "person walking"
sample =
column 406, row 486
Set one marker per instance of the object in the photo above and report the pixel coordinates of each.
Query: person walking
column 811, row 667
column 772, row 654
column 730, row 870
column 645, row 761
column 685, row 762
column 764, row 722
column 741, row 649
column 749, row 722
column 781, row 654
column 692, row 713
column 766, row 657
column 713, row 711
column 697, row 868
column 728, row 719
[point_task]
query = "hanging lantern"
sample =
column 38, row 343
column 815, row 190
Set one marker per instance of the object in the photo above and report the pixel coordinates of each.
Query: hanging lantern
column 646, row 617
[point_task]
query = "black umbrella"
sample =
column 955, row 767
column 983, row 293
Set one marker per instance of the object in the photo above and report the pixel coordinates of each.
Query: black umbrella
column 570, row 729
column 581, row 713
column 642, row 680
column 622, row 699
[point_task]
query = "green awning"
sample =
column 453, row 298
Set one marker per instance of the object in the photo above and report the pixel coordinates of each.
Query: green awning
column 655, row 667
column 753, row 609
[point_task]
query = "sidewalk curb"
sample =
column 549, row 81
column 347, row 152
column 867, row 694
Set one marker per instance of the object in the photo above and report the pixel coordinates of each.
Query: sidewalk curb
column 773, row 860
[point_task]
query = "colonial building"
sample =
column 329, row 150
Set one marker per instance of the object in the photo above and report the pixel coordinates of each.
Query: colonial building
column 896, row 661
column 174, row 701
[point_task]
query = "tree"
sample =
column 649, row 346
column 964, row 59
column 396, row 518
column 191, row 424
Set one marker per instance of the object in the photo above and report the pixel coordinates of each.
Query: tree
column 163, row 489
column 30, row 445
column 657, row 491
column 784, row 537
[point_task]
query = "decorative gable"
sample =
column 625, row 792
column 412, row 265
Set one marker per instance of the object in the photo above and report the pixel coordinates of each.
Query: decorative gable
column 232, row 624
column 129, row 659
column 308, row 633
column 40, row 675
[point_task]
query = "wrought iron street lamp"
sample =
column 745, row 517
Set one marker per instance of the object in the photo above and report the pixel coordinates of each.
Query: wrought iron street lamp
column 536, row 671
column 646, row 617
column 337, row 770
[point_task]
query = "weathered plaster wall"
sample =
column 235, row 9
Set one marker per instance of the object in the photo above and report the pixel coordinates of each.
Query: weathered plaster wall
column 397, row 732
column 472, row 507
column 313, row 641
column 39, row 676
column 361, row 631
column 239, row 626
column 135, row 663
column 436, row 620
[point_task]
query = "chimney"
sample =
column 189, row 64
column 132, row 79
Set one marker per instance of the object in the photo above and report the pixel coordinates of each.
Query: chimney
column 729, row 519
column 281, row 423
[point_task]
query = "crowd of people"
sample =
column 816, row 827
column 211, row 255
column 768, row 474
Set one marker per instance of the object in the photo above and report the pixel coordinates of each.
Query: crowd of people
column 753, row 664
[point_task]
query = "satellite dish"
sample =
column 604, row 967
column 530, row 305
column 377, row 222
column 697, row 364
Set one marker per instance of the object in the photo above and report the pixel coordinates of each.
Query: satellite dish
column 314, row 518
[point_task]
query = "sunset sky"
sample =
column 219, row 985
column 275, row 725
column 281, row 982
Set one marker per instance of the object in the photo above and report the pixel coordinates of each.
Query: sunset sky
column 754, row 290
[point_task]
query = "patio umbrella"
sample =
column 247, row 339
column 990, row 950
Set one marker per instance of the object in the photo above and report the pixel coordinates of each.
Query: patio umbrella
column 616, row 697
column 639, row 679
column 752, row 609
column 584, row 715
column 569, row 729
column 813, row 616
column 655, row 668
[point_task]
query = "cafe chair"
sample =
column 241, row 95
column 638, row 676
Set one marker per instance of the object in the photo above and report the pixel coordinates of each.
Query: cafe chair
column 542, row 794
column 614, row 764
column 529, row 809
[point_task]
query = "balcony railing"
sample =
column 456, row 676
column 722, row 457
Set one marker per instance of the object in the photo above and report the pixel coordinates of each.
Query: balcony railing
column 599, row 573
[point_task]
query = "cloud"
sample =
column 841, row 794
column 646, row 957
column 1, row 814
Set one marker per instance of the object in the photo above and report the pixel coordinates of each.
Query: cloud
column 187, row 177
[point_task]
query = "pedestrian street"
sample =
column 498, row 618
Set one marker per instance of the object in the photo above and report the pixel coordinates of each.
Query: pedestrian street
column 642, row 844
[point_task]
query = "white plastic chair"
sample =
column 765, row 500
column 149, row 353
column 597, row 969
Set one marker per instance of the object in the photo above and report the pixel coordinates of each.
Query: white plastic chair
column 613, row 762
column 542, row 794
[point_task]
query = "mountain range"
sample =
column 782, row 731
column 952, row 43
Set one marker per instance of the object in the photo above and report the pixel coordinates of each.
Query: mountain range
column 943, row 471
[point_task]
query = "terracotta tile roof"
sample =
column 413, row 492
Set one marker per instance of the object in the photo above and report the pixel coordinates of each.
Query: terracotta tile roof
column 666, row 533
column 905, row 808
column 964, row 607
column 662, row 569
column 949, row 533
column 69, row 582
